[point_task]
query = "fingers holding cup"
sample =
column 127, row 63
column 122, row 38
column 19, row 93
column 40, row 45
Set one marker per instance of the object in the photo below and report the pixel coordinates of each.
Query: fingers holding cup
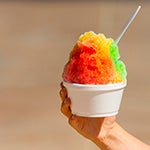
column 65, row 107
column 63, row 92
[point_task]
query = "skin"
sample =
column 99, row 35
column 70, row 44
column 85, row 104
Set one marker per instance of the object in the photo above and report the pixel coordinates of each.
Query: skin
column 105, row 132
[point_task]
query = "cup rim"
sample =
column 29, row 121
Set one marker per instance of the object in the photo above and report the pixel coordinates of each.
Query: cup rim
column 93, row 87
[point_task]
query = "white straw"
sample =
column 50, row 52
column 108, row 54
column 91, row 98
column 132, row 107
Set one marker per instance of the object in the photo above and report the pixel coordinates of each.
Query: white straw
column 127, row 24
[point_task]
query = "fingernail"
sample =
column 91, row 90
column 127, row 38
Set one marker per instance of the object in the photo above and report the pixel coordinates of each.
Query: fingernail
column 61, row 85
column 63, row 93
column 67, row 101
column 73, row 117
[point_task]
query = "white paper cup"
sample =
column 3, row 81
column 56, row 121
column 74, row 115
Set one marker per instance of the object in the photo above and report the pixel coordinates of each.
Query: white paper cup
column 95, row 100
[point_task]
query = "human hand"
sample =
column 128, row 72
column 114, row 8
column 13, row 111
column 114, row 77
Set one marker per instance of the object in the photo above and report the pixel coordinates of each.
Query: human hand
column 95, row 129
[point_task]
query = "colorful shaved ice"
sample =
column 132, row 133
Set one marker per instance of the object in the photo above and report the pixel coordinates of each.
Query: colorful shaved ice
column 94, row 60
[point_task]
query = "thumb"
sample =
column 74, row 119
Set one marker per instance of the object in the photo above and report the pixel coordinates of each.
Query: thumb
column 76, row 122
column 72, row 120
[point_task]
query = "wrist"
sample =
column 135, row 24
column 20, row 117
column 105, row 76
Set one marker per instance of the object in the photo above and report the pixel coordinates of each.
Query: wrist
column 116, row 138
column 110, row 138
column 105, row 137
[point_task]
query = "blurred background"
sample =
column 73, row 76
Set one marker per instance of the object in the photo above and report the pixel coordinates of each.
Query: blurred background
column 35, row 40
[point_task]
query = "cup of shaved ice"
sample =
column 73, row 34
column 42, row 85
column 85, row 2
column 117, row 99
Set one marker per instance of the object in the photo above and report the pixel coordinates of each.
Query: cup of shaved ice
column 94, row 76
column 95, row 100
